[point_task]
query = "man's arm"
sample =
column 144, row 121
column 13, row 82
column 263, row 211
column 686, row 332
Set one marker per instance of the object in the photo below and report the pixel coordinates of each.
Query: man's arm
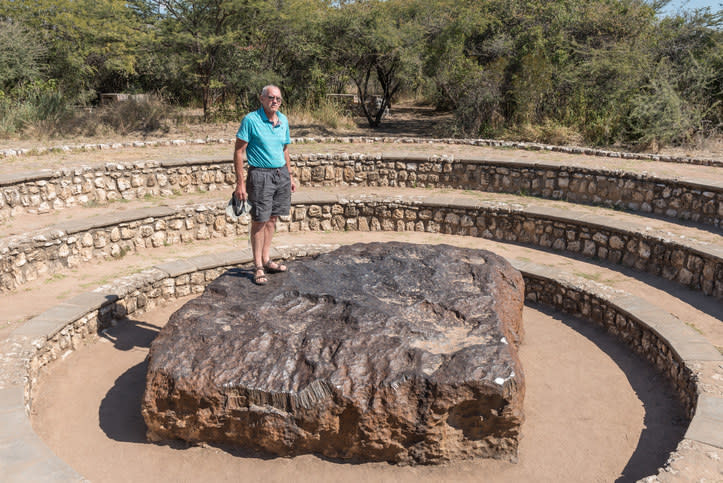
column 238, row 163
column 288, row 167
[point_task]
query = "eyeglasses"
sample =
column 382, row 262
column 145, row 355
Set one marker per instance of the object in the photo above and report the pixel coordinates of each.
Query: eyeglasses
column 274, row 99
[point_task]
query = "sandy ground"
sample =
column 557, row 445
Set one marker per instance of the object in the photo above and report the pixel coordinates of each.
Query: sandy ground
column 594, row 412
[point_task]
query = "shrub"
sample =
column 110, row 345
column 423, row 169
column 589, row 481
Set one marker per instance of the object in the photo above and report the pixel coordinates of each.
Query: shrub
column 659, row 116
column 30, row 104
column 145, row 116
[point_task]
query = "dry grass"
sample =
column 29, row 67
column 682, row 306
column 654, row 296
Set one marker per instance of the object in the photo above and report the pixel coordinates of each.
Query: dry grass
column 326, row 116
column 547, row 133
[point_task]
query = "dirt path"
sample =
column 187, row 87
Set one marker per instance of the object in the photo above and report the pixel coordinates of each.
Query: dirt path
column 406, row 121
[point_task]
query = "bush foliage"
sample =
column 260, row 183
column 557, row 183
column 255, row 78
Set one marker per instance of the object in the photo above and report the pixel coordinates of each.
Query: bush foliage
column 599, row 72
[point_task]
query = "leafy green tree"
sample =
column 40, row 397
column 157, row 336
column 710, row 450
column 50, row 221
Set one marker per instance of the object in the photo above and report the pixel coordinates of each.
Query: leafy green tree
column 91, row 43
column 377, row 43
column 688, row 78
column 26, row 96
column 606, row 70
column 208, row 38
column 467, row 58
column 21, row 55
column 291, row 46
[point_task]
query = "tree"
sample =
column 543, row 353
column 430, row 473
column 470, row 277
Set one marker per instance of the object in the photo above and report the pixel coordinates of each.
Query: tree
column 292, row 50
column 378, row 44
column 467, row 57
column 90, row 43
column 21, row 54
column 687, row 51
column 206, row 36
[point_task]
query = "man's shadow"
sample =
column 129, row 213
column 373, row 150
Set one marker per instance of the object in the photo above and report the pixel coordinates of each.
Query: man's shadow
column 119, row 412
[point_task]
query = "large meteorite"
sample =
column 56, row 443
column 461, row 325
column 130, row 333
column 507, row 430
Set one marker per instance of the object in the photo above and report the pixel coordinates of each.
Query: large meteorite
column 380, row 352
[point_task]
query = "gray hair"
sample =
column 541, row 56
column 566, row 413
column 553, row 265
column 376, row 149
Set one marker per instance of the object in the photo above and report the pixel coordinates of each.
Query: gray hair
column 265, row 90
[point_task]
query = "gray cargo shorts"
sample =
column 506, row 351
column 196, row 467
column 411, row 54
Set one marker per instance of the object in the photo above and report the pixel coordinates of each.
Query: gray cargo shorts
column 269, row 191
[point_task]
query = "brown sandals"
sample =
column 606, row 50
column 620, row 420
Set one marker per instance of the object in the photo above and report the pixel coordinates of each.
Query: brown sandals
column 260, row 272
column 273, row 267
column 260, row 276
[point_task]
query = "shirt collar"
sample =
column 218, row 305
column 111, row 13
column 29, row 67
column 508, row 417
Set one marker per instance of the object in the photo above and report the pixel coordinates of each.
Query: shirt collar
column 265, row 118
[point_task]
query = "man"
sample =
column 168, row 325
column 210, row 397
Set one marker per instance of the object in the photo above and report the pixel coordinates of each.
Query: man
column 264, row 139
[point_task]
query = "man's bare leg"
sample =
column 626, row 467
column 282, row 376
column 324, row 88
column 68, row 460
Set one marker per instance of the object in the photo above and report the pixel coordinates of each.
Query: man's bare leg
column 269, row 229
column 262, row 232
column 258, row 235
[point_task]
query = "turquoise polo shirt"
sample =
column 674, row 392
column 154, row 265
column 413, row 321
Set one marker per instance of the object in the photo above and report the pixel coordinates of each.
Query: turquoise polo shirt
column 265, row 141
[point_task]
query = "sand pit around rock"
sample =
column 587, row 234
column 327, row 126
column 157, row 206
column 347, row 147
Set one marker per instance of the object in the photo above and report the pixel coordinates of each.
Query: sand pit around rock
column 595, row 412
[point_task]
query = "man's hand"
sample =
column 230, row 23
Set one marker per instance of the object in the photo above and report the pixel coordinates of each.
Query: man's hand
column 293, row 184
column 241, row 191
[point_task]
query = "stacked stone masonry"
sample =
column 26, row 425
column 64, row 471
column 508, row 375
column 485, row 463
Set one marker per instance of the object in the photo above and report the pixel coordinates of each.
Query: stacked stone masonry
column 638, row 337
column 42, row 192
column 28, row 257
column 141, row 292
column 697, row 266
column 133, row 295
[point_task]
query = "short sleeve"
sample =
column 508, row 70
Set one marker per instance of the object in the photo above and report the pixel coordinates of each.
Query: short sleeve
column 244, row 130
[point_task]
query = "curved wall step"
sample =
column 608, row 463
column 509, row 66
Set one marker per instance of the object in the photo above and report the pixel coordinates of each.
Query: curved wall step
column 696, row 265
column 531, row 146
column 698, row 200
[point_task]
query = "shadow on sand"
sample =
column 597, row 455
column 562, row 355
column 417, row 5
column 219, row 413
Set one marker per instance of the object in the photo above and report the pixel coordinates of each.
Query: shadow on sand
column 665, row 422
column 119, row 412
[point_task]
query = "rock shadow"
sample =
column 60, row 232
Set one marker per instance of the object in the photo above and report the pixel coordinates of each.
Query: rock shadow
column 664, row 423
column 129, row 334
column 120, row 410
column 121, row 420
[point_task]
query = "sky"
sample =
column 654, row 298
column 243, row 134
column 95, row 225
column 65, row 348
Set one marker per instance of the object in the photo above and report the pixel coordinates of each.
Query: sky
column 675, row 5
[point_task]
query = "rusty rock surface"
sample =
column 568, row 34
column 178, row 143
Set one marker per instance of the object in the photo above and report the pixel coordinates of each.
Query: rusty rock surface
column 373, row 352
